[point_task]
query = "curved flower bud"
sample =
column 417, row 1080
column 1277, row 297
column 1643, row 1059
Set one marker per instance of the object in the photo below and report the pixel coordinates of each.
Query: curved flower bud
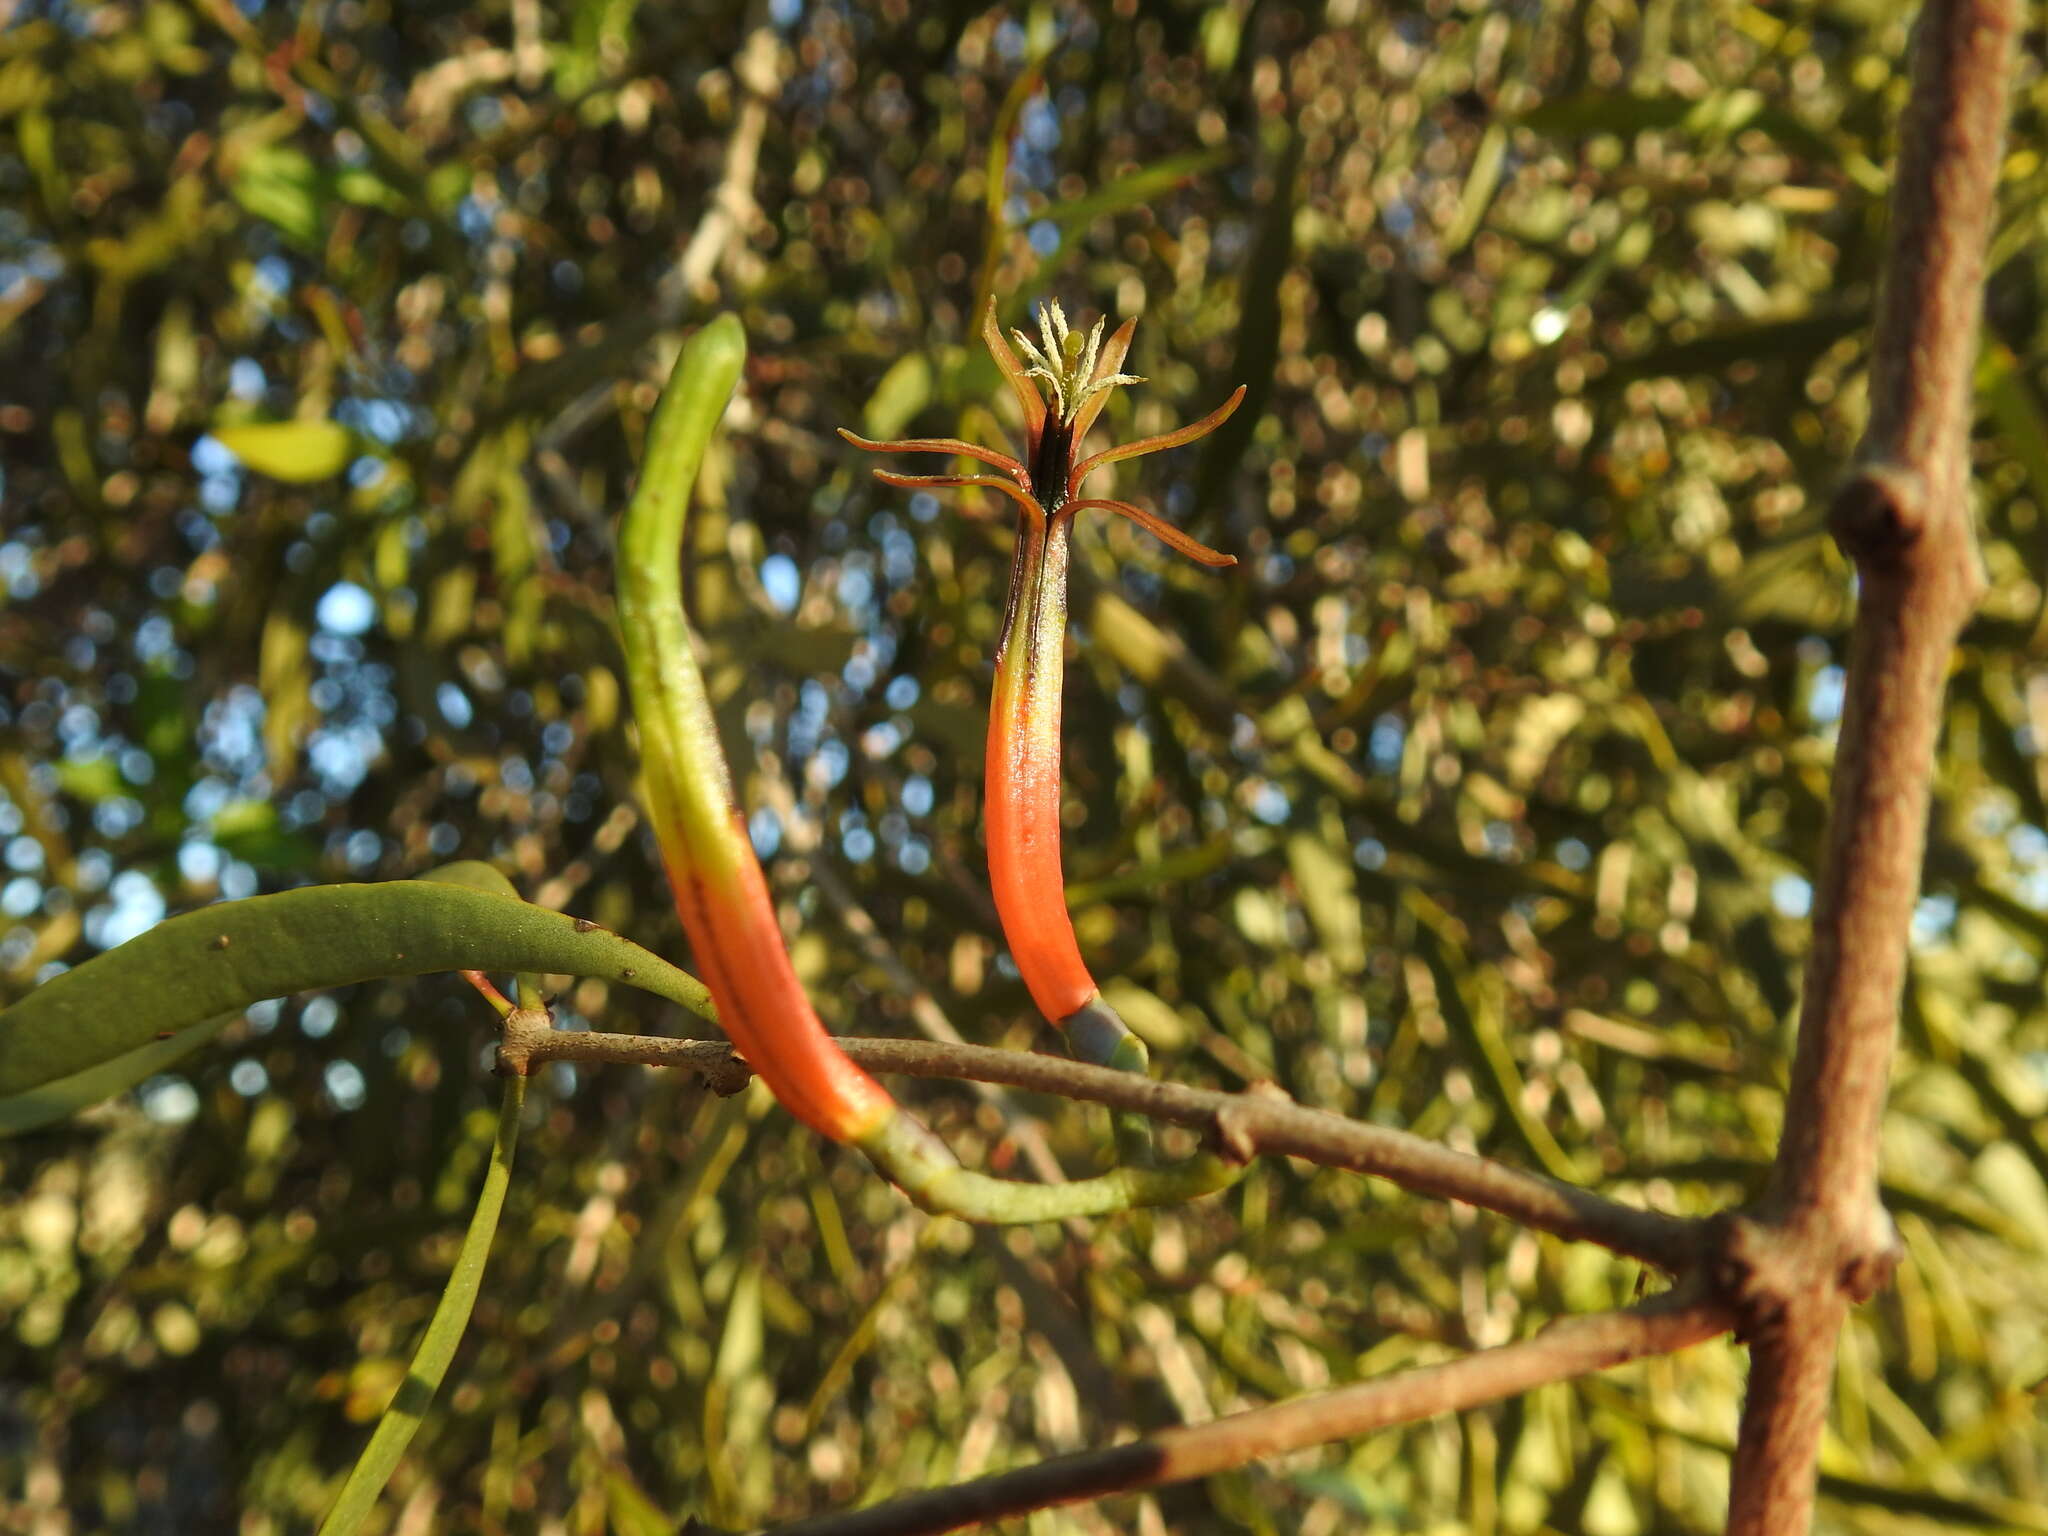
column 720, row 892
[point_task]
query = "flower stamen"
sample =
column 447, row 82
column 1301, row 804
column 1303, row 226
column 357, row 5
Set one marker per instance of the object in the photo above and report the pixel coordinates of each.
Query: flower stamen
column 1067, row 363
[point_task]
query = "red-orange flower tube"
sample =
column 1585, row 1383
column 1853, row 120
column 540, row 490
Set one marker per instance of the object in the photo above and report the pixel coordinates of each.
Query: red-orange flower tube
column 1023, row 769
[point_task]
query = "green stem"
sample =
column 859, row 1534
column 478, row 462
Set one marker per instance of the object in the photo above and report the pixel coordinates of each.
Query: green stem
column 415, row 1395
column 922, row 1166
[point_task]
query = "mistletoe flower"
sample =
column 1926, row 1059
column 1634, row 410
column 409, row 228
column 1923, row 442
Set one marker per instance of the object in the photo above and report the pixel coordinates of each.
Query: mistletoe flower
column 1023, row 774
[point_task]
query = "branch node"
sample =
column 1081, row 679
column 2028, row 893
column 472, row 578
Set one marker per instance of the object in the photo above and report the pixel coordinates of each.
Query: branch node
column 1879, row 513
column 726, row 1075
column 1234, row 1138
column 1866, row 1272
column 1771, row 1270
column 1751, row 1275
column 519, row 1036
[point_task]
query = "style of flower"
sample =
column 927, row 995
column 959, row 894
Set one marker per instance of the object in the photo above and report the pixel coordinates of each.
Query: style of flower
column 1023, row 770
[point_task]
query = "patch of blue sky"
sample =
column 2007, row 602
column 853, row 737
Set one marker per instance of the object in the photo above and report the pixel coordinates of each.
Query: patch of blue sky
column 169, row 1100
column 764, row 831
column 1792, row 895
column 135, row 907
column 1270, row 803
column 917, row 795
column 345, row 609
column 341, row 755
column 781, row 582
column 345, row 1085
column 454, row 705
column 318, row 1018
column 1824, row 695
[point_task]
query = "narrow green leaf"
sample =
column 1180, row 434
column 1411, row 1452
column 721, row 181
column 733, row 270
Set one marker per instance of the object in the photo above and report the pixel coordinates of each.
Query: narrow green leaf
column 91, row 779
column 1480, row 183
column 1258, row 330
column 281, row 186
column 250, row 831
column 1129, row 191
column 194, row 968
column 630, row 1511
column 2018, row 411
column 1794, row 343
column 1329, row 890
column 1712, row 118
column 415, row 1394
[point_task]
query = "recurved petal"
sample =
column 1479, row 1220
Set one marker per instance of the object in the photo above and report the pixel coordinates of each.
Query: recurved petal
column 1160, row 529
column 986, row 482
column 952, row 445
column 1143, row 445
column 1026, row 392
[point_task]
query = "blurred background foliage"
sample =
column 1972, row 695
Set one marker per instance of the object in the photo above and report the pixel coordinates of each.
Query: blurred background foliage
column 1480, row 800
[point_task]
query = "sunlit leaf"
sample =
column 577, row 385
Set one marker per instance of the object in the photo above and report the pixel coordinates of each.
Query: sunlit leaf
column 900, row 394
column 299, row 452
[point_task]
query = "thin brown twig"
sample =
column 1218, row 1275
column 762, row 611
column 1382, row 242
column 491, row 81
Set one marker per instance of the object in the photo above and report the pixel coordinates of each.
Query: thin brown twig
column 759, row 71
column 1820, row 1241
column 1564, row 1350
column 930, row 1018
column 1245, row 1125
column 806, row 839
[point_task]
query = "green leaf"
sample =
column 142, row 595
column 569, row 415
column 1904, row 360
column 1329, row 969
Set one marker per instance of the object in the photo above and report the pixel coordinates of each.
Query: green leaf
column 1150, row 1016
column 1795, row 343
column 903, row 391
column 66, row 1096
column 474, row 875
column 249, row 830
column 190, row 970
column 2017, row 409
column 299, row 452
column 415, row 1394
column 1329, row 889
column 366, row 189
column 630, row 1511
column 283, row 187
column 91, row 779
column 1141, row 186
column 1712, row 118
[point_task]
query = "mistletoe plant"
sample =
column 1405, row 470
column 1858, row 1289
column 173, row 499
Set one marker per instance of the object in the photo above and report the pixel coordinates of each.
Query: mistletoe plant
column 134, row 1011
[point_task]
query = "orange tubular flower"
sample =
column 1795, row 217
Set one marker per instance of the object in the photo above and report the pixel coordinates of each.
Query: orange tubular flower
column 1023, row 774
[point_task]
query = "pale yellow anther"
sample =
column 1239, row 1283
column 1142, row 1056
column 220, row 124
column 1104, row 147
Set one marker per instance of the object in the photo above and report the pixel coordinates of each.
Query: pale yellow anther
column 1066, row 363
